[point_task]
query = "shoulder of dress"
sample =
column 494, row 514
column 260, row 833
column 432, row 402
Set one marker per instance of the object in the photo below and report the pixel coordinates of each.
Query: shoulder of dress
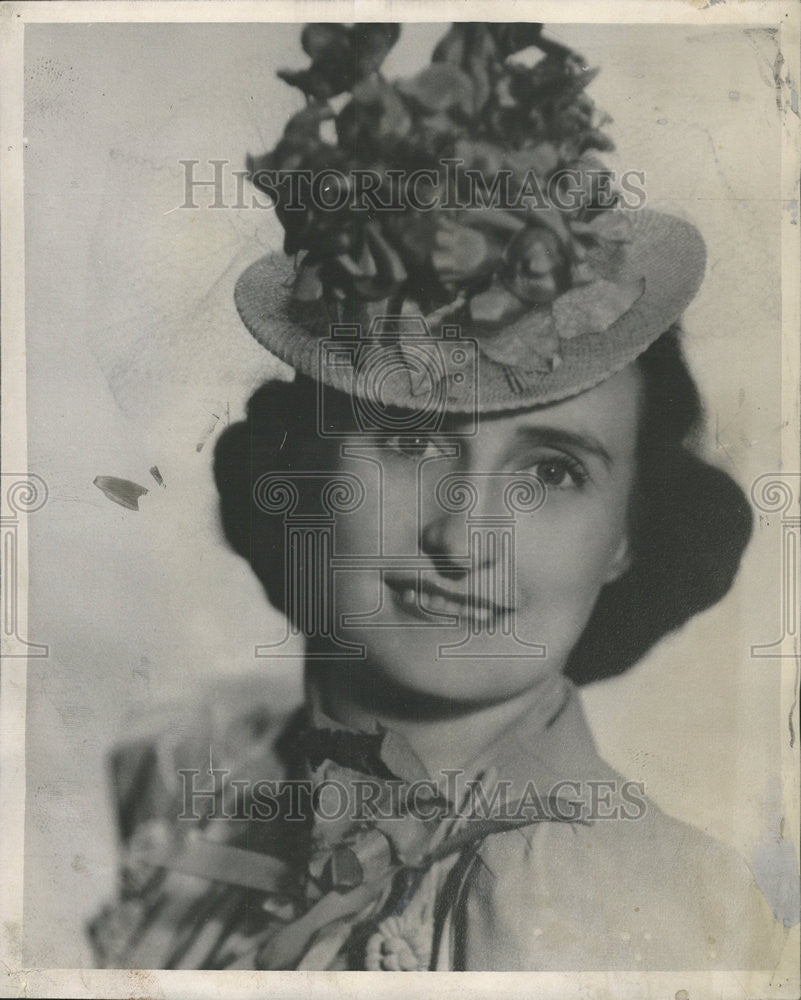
column 166, row 746
column 644, row 891
column 174, row 860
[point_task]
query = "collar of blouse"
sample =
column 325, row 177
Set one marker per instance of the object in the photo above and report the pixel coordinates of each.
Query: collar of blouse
column 548, row 746
column 379, row 868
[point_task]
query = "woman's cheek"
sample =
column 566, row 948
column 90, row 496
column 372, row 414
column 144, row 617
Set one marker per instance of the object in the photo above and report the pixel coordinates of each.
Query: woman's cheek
column 565, row 549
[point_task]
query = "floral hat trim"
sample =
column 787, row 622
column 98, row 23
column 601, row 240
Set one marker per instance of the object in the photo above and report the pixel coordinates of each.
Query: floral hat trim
column 521, row 270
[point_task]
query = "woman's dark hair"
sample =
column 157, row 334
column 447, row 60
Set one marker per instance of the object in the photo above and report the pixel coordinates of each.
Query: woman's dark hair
column 689, row 521
column 689, row 524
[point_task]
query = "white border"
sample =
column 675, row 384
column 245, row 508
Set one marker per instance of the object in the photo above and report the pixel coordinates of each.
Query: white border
column 781, row 982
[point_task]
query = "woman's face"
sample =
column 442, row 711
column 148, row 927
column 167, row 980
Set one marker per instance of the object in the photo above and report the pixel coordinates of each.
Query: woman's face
column 513, row 590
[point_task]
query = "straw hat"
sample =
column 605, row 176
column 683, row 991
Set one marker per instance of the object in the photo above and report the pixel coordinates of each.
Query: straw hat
column 492, row 265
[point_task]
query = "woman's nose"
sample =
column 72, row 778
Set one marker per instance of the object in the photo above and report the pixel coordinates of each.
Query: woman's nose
column 455, row 550
column 468, row 522
column 446, row 543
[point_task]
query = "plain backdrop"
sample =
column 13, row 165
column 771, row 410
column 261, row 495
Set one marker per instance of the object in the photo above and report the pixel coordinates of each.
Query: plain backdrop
column 136, row 358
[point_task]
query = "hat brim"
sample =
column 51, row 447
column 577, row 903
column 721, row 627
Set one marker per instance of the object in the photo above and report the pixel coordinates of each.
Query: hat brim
column 666, row 253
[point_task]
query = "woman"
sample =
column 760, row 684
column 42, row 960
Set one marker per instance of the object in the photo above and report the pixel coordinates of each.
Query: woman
column 478, row 491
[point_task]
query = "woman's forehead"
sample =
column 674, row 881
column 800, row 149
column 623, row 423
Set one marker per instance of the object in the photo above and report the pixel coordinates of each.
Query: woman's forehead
column 607, row 414
column 607, row 410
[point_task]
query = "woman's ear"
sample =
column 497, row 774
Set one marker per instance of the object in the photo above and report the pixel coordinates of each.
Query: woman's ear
column 620, row 562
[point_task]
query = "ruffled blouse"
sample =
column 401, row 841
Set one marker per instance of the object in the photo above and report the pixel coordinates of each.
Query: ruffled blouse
column 296, row 843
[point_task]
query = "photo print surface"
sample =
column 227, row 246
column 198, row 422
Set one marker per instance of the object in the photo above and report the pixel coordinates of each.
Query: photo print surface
column 409, row 501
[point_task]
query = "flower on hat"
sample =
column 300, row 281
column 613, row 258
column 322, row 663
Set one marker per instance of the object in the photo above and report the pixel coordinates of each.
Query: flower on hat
column 535, row 263
column 341, row 56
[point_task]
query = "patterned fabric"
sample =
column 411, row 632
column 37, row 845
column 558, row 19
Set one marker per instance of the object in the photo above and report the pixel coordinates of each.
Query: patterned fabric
column 229, row 887
column 216, row 875
column 238, row 878
column 207, row 890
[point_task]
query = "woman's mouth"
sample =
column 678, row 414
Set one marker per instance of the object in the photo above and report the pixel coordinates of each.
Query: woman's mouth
column 436, row 605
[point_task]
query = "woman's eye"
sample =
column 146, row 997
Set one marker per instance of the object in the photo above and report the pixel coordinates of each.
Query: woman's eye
column 562, row 472
column 411, row 446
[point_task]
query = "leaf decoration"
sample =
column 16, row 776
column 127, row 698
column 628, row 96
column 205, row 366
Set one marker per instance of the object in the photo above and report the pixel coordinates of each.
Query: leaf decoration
column 308, row 287
column 477, row 154
column 614, row 227
column 535, row 265
column 552, row 219
column 541, row 160
column 554, row 808
column 495, row 306
column 461, row 253
column 439, row 87
column 371, row 44
column 581, row 273
column 480, row 50
column 495, row 222
column 377, row 274
column 514, row 36
column 595, row 307
column 341, row 56
column 375, row 119
column 485, row 112
column 414, row 233
column 530, row 344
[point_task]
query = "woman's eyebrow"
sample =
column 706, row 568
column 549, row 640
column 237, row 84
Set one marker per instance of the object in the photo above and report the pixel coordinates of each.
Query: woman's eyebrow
column 558, row 437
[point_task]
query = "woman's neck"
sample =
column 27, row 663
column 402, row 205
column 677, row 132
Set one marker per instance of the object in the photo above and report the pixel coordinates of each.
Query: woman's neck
column 443, row 733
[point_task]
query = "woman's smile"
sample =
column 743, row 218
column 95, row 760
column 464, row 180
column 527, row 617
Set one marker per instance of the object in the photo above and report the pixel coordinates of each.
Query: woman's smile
column 481, row 593
column 432, row 602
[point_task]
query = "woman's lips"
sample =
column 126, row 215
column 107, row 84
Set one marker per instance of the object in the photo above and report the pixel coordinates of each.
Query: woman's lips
column 424, row 598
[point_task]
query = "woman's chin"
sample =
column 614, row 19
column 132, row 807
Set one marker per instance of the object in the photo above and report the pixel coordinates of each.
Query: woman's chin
column 477, row 671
